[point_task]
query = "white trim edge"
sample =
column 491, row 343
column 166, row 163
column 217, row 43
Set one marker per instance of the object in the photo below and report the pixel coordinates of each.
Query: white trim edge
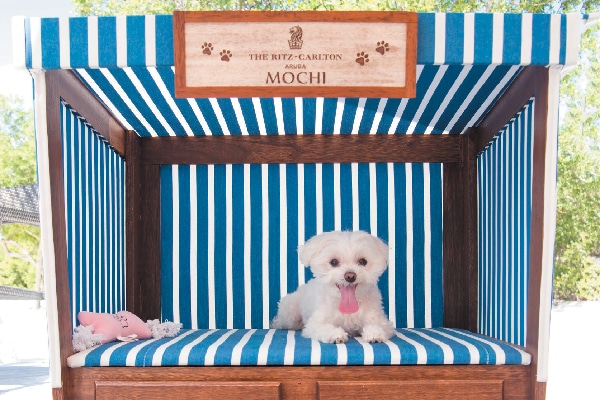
column 550, row 183
column 43, row 157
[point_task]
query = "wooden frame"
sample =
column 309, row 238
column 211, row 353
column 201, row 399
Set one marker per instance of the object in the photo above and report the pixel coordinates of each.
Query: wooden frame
column 183, row 88
column 391, row 382
column 143, row 266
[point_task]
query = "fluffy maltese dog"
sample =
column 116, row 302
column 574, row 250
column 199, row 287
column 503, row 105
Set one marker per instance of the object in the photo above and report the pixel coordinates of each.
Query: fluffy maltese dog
column 343, row 298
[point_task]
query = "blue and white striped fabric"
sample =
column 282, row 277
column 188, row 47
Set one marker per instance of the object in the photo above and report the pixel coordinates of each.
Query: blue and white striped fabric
column 451, row 99
column 230, row 235
column 465, row 62
column 147, row 41
column 227, row 347
column 94, row 177
column 505, row 173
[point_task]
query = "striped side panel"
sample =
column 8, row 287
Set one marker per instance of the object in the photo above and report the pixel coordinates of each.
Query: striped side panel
column 225, row 347
column 230, row 235
column 135, row 41
column 94, row 177
column 504, row 191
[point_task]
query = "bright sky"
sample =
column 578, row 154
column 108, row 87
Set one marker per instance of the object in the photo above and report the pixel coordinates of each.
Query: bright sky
column 12, row 80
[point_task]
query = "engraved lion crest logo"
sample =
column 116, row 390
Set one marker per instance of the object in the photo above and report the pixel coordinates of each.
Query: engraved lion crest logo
column 295, row 41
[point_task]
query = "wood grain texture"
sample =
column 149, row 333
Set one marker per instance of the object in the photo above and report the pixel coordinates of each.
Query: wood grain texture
column 149, row 261
column 188, row 390
column 57, row 199
column 286, row 16
column 460, row 238
column 410, row 390
column 143, row 234
column 57, row 394
column 510, row 103
column 78, row 96
column 187, row 78
column 540, row 390
column 302, row 383
column 133, row 201
column 284, row 149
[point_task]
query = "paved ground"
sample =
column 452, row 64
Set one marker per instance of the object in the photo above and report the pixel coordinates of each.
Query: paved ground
column 573, row 373
column 23, row 351
column 574, row 352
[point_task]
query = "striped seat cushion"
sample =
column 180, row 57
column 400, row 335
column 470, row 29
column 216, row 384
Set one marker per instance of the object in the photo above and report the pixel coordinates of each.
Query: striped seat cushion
column 226, row 347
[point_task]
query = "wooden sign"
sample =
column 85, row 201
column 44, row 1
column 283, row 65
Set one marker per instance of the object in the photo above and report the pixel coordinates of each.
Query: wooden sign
column 295, row 54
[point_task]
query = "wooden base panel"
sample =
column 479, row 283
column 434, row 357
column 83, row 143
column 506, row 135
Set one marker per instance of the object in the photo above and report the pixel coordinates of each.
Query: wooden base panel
column 363, row 382
column 57, row 394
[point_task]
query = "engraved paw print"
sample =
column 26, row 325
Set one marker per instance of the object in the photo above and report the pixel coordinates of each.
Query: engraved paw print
column 382, row 47
column 207, row 48
column 225, row 55
column 362, row 58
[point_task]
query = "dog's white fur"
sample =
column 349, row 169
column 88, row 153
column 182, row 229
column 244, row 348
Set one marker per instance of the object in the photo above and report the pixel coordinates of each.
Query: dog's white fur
column 315, row 306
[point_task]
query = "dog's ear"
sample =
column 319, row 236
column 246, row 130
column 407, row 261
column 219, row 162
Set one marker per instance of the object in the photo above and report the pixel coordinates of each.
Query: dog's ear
column 382, row 248
column 311, row 248
column 306, row 252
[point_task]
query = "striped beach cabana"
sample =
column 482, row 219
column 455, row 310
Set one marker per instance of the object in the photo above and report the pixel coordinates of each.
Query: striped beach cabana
column 190, row 209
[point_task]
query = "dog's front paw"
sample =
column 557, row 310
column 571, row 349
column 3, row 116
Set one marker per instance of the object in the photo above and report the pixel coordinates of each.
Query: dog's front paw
column 375, row 334
column 338, row 337
column 325, row 333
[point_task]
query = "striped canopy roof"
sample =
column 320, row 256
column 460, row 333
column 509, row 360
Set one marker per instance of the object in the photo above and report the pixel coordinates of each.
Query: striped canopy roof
column 464, row 63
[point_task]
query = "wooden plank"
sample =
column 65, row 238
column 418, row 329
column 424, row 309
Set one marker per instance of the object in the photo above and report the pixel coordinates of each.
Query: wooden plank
column 540, row 390
column 59, row 229
column 276, row 149
column 148, row 262
column 460, row 238
column 152, row 390
column 471, row 220
column 348, row 53
column 300, row 382
column 143, row 233
column 510, row 103
column 78, row 96
column 409, row 390
column 57, row 394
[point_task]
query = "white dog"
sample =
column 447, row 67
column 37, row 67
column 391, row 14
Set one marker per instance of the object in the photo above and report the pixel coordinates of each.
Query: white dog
column 343, row 298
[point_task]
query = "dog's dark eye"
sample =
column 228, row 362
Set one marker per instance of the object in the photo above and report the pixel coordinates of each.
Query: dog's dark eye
column 362, row 262
column 334, row 262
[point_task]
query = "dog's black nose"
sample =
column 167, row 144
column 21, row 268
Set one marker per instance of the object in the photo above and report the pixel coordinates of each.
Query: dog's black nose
column 350, row 277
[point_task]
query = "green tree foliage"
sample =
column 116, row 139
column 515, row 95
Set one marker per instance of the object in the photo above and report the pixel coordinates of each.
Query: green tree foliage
column 577, row 273
column 17, row 164
column 114, row 7
column 19, row 244
column 577, row 276
column 19, row 255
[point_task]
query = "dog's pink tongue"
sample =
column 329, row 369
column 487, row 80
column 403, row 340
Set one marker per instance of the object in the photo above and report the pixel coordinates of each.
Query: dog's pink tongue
column 348, row 303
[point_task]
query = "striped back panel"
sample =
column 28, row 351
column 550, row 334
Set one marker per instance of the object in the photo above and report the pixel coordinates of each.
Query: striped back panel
column 504, row 179
column 94, row 179
column 230, row 235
